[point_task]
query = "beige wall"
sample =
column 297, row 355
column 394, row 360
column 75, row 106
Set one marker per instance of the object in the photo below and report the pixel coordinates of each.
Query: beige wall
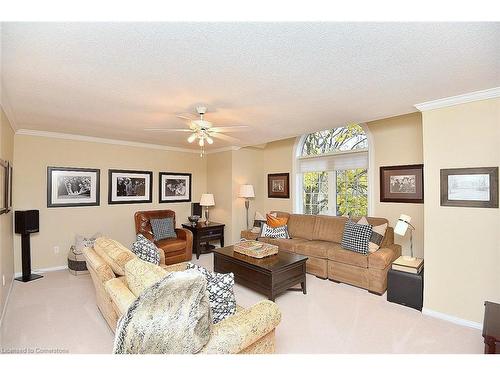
column 277, row 158
column 58, row 226
column 462, row 245
column 398, row 141
column 6, row 231
column 219, row 183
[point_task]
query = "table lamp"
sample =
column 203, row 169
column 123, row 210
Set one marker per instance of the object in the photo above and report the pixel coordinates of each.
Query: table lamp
column 207, row 200
column 246, row 191
column 402, row 226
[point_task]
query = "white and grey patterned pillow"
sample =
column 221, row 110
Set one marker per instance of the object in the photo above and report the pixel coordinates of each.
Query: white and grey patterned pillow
column 277, row 232
column 220, row 292
column 82, row 242
column 146, row 250
column 356, row 237
column 163, row 228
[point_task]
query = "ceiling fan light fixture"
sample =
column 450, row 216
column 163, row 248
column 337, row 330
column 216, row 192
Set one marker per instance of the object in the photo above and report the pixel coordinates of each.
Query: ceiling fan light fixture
column 201, row 142
column 192, row 137
column 209, row 140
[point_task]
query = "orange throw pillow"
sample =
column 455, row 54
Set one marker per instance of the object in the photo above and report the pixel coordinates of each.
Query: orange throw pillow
column 274, row 222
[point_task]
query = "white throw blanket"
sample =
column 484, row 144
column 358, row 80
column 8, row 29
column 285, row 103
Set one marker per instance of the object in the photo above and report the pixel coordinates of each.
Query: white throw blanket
column 172, row 316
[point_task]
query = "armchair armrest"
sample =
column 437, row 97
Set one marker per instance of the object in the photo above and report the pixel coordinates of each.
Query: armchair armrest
column 241, row 330
column 184, row 234
column 121, row 296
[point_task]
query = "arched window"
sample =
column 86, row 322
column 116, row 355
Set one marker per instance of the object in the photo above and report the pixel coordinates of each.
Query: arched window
column 333, row 172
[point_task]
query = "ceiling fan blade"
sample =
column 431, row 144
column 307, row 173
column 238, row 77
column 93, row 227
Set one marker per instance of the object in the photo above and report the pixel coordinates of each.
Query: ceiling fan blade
column 227, row 129
column 168, row 130
column 186, row 116
column 225, row 137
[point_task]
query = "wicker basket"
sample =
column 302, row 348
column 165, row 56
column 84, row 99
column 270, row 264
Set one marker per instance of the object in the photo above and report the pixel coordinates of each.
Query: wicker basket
column 255, row 249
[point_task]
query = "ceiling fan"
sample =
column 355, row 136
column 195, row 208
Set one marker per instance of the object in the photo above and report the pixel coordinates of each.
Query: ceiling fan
column 203, row 130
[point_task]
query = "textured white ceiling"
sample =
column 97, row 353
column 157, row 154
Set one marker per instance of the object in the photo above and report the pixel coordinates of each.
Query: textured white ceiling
column 281, row 79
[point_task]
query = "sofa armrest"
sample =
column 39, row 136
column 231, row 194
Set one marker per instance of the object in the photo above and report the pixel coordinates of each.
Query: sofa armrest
column 383, row 257
column 121, row 296
column 237, row 332
column 101, row 269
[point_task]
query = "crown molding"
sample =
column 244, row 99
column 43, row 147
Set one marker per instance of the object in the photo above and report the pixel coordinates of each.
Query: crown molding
column 222, row 149
column 84, row 138
column 459, row 99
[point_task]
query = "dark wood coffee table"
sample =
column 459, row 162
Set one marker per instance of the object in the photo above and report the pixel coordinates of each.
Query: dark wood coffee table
column 270, row 276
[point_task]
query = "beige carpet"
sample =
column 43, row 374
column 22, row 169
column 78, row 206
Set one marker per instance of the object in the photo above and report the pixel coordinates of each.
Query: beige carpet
column 59, row 312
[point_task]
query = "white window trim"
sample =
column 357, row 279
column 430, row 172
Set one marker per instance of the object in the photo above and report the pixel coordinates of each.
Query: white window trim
column 297, row 181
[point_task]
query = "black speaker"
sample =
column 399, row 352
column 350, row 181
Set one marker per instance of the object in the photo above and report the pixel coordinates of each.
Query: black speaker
column 196, row 209
column 27, row 222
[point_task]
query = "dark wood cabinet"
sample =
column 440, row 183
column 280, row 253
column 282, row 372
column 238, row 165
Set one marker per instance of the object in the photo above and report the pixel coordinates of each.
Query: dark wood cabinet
column 204, row 233
column 406, row 288
column 491, row 328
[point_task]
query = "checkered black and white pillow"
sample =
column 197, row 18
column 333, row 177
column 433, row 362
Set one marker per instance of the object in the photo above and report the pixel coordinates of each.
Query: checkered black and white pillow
column 163, row 228
column 356, row 237
column 146, row 250
column 277, row 232
column 220, row 292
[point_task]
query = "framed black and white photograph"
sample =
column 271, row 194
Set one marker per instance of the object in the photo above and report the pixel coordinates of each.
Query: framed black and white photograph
column 470, row 187
column 4, row 181
column 175, row 187
column 72, row 187
column 402, row 183
column 125, row 186
column 8, row 187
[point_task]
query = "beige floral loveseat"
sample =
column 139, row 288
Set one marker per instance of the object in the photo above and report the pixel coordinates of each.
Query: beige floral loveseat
column 250, row 330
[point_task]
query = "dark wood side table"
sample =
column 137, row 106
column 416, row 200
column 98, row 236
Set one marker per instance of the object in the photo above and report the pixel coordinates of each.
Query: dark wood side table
column 203, row 234
column 406, row 288
column 491, row 328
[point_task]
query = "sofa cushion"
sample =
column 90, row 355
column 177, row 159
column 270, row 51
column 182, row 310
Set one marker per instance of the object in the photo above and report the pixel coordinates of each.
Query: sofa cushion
column 114, row 254
column 338, row 254
column 378, row 233
column 381, row 258
column 141, row 275
column 274, row 232
column 356, row 237
column 171, row 245
column 317, row 249
column 220, row 292
column 329, row 228
column 287, row 244
column 301, row 226
column 146, row 250
column 163, row 228
column 273, row 221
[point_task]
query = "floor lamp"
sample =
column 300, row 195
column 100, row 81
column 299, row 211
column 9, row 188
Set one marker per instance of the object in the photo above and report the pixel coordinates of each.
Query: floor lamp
column 246, row 191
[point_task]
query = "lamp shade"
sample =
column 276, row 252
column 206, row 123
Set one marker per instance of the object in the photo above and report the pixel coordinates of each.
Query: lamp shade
column 246, row 191
column 207, row 200
column 402, row 224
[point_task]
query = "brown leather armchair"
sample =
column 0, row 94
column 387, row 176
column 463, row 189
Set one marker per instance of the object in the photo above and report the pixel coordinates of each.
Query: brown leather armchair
column 172, row 250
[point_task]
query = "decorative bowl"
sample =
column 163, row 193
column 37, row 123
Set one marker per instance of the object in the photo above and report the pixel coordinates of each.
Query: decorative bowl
column 194, row 219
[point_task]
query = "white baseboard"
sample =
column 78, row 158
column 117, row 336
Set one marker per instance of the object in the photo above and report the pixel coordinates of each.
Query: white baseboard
column 43, row 270
column 452, row 319
column 6, row 302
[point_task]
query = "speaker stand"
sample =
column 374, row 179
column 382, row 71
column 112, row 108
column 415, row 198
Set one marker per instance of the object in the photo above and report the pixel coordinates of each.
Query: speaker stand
column 26, row 260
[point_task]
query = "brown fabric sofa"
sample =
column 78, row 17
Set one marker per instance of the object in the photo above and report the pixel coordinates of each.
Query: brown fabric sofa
column 249, row 331
column 172, row 250
column 318, row 237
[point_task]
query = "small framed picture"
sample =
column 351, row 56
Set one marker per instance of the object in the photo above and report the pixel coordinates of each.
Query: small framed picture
column 470, row 187
column 402, row 183
column 8, row 187
column 278, row 185
column 175, row 187
column 72, row 187
column 126, row 187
